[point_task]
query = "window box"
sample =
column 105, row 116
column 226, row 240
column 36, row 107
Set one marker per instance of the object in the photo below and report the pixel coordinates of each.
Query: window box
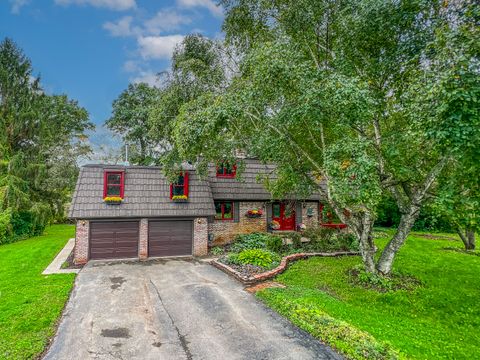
column 254, row 213
column 179, row 198
column 113, row 200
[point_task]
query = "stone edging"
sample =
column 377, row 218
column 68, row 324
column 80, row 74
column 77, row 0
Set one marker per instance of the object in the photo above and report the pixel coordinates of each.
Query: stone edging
column 249, row 280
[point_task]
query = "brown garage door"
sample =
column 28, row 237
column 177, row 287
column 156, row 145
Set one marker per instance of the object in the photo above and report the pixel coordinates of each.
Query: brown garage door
column 113, row 240
column 170, row 238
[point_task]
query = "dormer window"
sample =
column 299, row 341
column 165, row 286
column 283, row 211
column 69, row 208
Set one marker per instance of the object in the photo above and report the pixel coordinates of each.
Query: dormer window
column 226, row 170
column 113, row 184
column 180, row 187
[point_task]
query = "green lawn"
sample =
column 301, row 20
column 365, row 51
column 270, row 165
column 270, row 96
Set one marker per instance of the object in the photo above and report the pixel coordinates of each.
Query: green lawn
column 439, row 320
column 30, row 303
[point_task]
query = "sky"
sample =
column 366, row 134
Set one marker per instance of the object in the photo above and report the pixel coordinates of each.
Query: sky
column 92, row 49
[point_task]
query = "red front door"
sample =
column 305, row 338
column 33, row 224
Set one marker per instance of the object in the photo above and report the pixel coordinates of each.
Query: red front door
column 284, row 215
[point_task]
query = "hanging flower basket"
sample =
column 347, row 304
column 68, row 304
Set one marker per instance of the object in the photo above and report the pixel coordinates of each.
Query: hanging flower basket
column 179, row 198
column 113, row 200
column 254, row 213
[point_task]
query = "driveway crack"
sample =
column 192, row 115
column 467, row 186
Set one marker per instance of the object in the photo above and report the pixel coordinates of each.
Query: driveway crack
column 181, row 338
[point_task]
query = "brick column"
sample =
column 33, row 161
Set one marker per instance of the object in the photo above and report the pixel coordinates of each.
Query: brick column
column 143, row 240
column 80, row 252
column 200, row 237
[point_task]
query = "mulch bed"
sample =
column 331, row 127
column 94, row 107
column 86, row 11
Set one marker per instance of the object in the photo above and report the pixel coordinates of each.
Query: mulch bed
column 250, row 278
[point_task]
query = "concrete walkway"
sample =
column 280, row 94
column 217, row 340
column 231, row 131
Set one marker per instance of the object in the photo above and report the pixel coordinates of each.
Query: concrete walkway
column 173, row 309
column 55, row 266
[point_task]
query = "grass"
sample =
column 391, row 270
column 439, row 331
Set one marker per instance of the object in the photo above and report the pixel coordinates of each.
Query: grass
column 30, row 303
column 438, row 320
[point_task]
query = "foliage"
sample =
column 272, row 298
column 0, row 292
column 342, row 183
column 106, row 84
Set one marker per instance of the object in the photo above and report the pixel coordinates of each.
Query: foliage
column 352, row 342
column 31, row 303
column 328, row 239
column 408, row 320
column 217, row 250
column 41, row 138
column 257, row 257
column 130, row 113
column 394, row 281
column 274, row 243
column 250, row 241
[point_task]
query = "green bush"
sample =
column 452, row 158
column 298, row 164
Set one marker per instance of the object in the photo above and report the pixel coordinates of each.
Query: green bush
column 217, row 250
column 274, row 243
column 250, row 241
column 328, row 239
column 257, row 257
column 5, row 226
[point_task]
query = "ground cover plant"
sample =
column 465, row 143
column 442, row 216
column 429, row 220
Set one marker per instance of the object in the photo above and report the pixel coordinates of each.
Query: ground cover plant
column 257, row 252
column 437, row 318
column 31, row 303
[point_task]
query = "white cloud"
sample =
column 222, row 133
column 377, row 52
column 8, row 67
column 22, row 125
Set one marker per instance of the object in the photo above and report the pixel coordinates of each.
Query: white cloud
column 17, row 5
column 123, row 27
column 149, row 77
column 215, row 9
column 158, row 47
column 131, row 66
column 118, row 5
column 166, row 20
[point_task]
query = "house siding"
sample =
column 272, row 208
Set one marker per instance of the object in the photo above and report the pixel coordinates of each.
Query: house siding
column 224, row 232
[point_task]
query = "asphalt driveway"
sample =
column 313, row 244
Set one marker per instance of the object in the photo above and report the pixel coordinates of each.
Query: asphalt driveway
column 173, row 309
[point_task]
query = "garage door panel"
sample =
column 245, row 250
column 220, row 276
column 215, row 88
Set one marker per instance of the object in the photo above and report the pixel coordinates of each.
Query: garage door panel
column 110, row 240
column 170, row 238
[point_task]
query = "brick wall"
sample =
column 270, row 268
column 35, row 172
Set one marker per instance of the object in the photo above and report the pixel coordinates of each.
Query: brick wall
column 81, row 242
column 310, row 221
column 200, row 237
column 225, row 231
column 143, row 240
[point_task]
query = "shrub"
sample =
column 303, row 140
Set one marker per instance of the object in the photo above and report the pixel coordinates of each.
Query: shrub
column 258, row 257
column 216, row 250
column 232, row 258
column 392, row 282
column 274, row 243
column 327, row 239
column 250, row 241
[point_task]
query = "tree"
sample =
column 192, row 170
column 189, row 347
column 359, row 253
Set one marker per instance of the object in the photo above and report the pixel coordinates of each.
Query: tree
column 130, row 120
column 344, row 91
column 40, row 135
column 199, row 67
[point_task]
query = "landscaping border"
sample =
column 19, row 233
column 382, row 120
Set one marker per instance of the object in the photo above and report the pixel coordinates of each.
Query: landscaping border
column 250, row 280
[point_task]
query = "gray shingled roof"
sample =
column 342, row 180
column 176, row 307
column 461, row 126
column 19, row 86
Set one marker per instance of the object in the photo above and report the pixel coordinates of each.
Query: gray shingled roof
column 248, row 188
column 147, row 194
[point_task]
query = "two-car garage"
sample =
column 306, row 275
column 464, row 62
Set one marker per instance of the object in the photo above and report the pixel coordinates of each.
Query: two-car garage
column 120, row 239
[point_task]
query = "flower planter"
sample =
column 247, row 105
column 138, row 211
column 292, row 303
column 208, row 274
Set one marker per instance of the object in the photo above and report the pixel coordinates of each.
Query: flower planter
column 180, row 200
column 252, row 214
column 113, row 200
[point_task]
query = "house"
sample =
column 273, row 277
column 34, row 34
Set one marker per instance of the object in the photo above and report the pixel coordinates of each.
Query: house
column 134, row 212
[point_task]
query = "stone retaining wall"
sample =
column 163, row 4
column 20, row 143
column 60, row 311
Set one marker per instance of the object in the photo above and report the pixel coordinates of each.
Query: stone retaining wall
column 278, row 270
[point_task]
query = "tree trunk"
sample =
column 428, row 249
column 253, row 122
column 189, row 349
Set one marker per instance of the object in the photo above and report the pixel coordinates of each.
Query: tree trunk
column 407, row 219
column 468, row 238
column 362, row 226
